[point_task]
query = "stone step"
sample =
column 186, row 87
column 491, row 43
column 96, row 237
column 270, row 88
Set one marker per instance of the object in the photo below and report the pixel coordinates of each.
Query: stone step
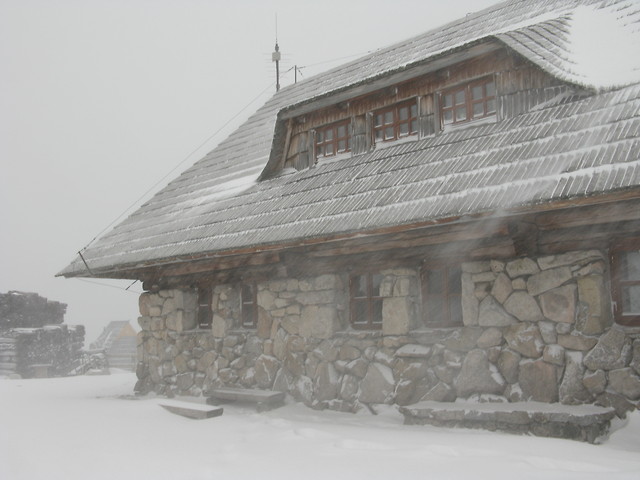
column 197, row 411
column 587, row 423
column 263, row 399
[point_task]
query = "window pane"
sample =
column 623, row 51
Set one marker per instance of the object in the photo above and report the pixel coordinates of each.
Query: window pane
column 376, row 281
column 447, row 100
column 247, row 293
column 328, row 149
column 388, row 117
column 455, row 309
column 414, row 126
column 414, row 110
column 388, row 133
column 478, row 109
column 448, row 116
column 460, row 97
column 491, row 89
column 379, row 119
column 461, row 113
column 455, row 280
column 404, row 113
column 376, row 315
column 342, row 145
column 631, row 300
column 491, row 106
column 435, row 281
column 631, row 262
column 404, row 129
column 319, row 136
column 247, row 314
column 342, row 130
column 476, row 92
column 360, row 286
column 359, row 313
column 329, row 134
column 435, row 312
column 379, row 135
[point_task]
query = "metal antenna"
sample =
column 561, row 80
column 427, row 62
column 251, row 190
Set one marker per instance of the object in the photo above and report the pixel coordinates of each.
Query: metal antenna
column 275, row 57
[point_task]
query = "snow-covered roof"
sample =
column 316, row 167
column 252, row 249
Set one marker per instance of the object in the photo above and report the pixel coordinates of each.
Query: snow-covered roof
column 564, row 148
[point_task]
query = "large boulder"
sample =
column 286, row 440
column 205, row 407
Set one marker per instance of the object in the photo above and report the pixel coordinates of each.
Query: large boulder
column 378, row 385
column 559, row 304
column 525, row 338
column 266, row 368
column 478, row 375
column 613, row 351
column 491, row 314
column 538, row 381
column 625, row 382
column 572, row 389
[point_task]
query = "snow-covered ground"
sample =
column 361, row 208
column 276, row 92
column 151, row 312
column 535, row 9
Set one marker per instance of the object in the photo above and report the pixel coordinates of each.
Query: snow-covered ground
column 86, row 428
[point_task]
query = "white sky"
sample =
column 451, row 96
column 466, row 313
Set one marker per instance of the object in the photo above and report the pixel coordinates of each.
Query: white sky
column 100, row 99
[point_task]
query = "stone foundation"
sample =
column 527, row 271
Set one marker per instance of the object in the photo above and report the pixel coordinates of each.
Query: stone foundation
column 534, row 329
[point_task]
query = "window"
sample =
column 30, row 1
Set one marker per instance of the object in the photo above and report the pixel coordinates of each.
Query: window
column 205, row 313
column 626, row 282
column 249, row 305
column 441, row 296
column 395, row 122
column 333, row 139
column 471, row 101
column 366, row 301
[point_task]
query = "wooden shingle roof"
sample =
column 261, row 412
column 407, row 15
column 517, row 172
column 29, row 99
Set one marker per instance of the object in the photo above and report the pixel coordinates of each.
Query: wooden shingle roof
column 564, row 148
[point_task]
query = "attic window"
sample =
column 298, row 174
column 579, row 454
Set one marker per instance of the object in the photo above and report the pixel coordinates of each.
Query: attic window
column 471, row 101
column 394, row 122
column 333, row 139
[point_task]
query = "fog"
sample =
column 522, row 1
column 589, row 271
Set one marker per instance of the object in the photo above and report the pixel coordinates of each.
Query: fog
column 103, row 102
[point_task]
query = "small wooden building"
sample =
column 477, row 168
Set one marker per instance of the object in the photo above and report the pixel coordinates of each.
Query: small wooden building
column 456, row 216
column 118, row 340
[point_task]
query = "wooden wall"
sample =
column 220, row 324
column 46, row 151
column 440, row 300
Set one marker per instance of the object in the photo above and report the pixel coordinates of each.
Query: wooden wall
column 519, row 84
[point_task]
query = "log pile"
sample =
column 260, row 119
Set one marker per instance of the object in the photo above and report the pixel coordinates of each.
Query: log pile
column 33, row 340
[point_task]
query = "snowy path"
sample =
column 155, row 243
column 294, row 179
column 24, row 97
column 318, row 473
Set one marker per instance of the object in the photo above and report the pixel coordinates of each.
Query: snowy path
column 78, row 428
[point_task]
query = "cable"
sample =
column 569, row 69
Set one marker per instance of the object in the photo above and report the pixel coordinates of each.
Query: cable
column 110, row 286
column 336, row 59
column 155, row 185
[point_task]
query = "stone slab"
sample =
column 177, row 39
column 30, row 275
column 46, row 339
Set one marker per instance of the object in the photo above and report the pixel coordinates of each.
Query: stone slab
column 196, row 411
column 263, row 399
column 587, row 423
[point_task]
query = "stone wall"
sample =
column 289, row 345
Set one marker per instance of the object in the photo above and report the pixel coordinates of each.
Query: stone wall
column 533, row 329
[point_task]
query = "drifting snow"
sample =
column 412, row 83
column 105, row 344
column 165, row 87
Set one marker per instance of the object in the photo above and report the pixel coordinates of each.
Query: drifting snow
column 91, row 428
column 606, row 44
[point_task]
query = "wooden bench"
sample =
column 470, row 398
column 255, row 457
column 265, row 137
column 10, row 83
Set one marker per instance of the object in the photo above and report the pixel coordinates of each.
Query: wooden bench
column 196, row 411
column 263, row 399
column 586, row 423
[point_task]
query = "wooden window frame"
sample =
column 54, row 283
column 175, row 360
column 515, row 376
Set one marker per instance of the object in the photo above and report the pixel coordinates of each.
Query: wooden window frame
column 249, row 305
column 369, row 300
column 444, row 297
column 205, row 310
column 321, row 140
column 618, row 282
column 468, row 103
column 381, row 125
